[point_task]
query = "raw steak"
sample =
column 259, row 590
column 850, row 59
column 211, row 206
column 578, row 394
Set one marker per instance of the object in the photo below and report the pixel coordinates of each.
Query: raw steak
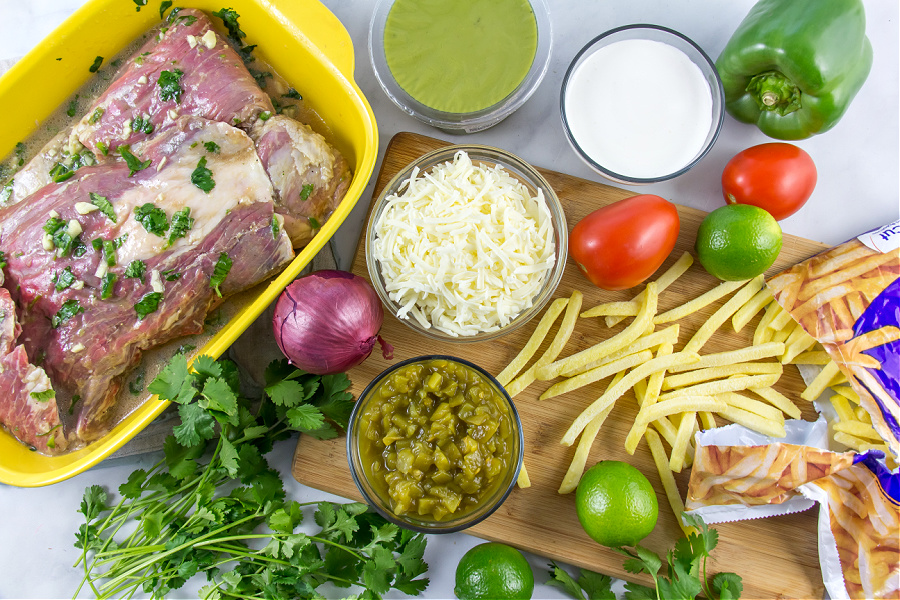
column 88, row 343
column 213, row 84
column 309, row 175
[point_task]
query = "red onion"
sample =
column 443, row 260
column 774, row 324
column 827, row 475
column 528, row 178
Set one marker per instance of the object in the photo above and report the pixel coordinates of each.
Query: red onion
column 328, row 321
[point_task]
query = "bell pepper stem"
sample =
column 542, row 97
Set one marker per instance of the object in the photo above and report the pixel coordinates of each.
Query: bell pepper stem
column 773, row 91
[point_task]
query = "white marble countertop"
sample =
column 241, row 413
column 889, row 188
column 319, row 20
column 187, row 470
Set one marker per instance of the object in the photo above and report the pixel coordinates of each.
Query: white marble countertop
column 858, row 189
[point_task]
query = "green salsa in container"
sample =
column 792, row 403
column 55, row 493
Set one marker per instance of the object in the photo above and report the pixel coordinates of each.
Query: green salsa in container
column 460, row 56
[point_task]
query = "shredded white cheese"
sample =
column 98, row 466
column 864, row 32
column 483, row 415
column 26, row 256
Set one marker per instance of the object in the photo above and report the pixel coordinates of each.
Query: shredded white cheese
column 464, row 248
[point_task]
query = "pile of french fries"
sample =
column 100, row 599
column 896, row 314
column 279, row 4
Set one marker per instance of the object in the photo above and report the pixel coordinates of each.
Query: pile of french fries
column 678, row 391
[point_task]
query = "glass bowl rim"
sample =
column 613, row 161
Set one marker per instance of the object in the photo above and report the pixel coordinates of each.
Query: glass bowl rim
column 418, row 526
column 503, row 158
column 717, row 93
column 469, row 122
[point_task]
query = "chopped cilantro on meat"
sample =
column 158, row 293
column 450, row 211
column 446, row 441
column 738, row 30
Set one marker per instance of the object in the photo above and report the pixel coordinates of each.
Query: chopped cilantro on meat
column 169, row 85
column 202, row 177
column 152, row 218
column 109, row 252
column 181, row 224
column 43, row 396
column 133, row 162
column 136, row 270
column 149, row 303
column 96, row 115
column 59, row 234
column 166, row 5
column 104, row 205
column 171, row 275
column 63, row 279
column 95, row 66
column 142, row 125
column 305, row 191
column 211, row 147
column 109, row 281
column 103, row 148
column 69, row 309
column 220, row 272
column 292, row 93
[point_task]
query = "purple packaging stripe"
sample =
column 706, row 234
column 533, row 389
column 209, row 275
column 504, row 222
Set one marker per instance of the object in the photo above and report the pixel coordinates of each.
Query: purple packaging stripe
column 887, row 481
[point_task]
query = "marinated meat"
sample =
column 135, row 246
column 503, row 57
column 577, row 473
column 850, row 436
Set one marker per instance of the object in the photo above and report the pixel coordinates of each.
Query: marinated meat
column 27, row 402
column 186, row 69
column 309, row 175
column 89, row 342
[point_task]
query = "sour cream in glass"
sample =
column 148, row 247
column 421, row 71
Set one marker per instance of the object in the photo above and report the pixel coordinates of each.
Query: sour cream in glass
column 639, row 108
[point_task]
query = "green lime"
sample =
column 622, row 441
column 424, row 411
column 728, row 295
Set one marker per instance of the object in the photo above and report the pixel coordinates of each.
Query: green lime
column 616, row 504
column 738, row 241
column 494, row 571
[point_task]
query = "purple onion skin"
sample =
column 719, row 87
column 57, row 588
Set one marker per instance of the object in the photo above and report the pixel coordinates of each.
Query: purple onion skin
column 328, row 322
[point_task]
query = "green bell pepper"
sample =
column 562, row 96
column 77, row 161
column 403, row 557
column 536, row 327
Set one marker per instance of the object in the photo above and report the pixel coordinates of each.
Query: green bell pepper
column 792, row 67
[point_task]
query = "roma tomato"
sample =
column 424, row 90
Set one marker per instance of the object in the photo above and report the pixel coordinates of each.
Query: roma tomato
column 776, row 177
column 620, row 245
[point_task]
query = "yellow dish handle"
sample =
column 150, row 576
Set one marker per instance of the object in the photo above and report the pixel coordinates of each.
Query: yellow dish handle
column 329, row 36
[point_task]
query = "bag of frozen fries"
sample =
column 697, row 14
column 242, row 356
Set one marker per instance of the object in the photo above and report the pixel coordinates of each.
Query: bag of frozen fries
column 848, row 299
column 739, row 474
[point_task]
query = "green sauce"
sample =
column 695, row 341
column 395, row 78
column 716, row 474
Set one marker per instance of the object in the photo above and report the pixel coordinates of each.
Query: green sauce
column 460, row 56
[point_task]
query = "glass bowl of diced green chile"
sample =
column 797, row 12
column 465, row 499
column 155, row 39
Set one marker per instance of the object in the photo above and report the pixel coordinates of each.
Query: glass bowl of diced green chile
column 435, row 444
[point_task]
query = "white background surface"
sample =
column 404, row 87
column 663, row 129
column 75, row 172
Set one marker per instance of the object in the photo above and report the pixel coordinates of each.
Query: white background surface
column 858, row 189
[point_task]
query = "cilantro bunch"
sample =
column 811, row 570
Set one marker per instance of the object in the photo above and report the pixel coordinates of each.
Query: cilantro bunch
column 213, row 505
column 684, row 578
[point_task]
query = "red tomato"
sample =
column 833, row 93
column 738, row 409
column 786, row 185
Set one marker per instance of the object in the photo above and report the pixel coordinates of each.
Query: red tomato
column 620, row 245
column 776, row 177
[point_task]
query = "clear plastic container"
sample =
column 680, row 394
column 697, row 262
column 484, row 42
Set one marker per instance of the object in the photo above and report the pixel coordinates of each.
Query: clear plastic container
column 460, row 122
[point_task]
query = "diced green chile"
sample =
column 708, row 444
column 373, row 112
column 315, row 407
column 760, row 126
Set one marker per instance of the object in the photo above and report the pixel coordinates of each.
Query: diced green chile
column 436, row 440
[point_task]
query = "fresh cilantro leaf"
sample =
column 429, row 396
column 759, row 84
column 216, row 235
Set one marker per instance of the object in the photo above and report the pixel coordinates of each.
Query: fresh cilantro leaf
column 93, row 502
column 203, row 177
column 139, row 4
column 149, row 303
column 133, row 163
column 152, row 218
column 104, row 205
column 171, row 275
column 727, row 586
column 95, row 66
column 166, row 5
column 561, row 579
column 207, row 366
column 292, row 93
column 305, row 191
column 181, row 224
column 69, row 309
column 305, row 417
column 181, row 460
column 6, row 192
column 75, row 399
column 108, row 283
column 219, row 400
column 634, row 591
column 152, row 524
column 136, row 270
column 211, row 147
column 229, row 18
column 133, row 488
column 314, row 223
column 197, row 425
column 596, row 585
column 220, row 272
column 169, row 85
column 174, row 383
column 229, row 457
column 43, row 396
column 376, row 573
column 292, row 392
column 64, row 279
column 336, row 403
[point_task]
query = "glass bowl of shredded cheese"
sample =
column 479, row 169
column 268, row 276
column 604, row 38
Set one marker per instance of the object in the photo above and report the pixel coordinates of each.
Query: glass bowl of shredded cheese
column 466, row 243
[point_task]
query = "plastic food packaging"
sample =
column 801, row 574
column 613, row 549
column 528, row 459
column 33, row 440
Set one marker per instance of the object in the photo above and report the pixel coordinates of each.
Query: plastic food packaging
column 847, row 299
column 739, row 474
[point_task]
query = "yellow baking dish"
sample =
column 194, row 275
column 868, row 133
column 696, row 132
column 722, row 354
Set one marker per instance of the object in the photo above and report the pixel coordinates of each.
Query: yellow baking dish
column 301, row 40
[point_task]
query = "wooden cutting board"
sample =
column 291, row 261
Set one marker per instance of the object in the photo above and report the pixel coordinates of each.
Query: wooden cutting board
column 776, row 557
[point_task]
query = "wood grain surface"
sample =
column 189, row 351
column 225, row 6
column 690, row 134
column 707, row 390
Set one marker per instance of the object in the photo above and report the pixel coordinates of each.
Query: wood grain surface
column 776, row 557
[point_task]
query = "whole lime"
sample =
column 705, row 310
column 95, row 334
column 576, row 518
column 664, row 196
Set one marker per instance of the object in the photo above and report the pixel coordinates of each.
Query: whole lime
column 494, row 571
column 616, row 504
column 738, row 241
